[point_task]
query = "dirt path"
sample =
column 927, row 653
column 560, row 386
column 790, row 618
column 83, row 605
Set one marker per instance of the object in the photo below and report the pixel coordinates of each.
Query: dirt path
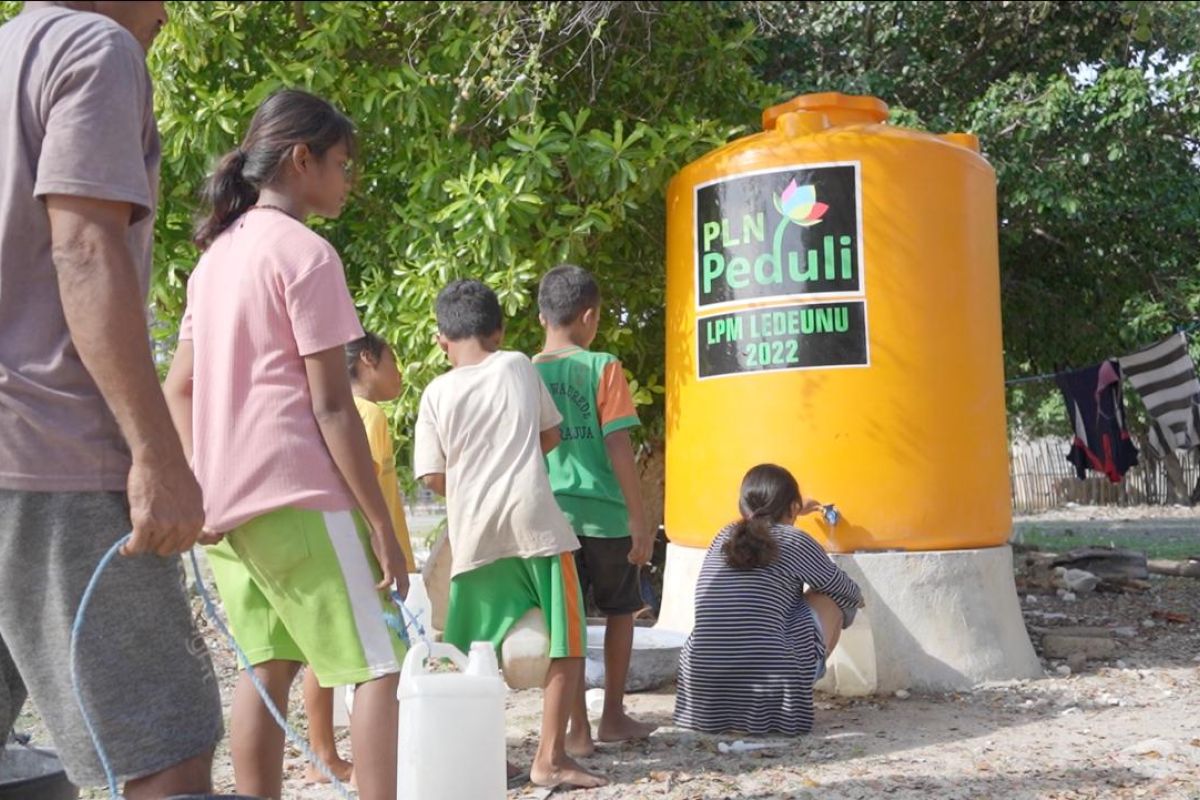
column 1126, row 727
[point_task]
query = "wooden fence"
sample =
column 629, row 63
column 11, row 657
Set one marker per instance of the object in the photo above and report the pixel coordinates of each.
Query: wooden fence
column 1042, row 478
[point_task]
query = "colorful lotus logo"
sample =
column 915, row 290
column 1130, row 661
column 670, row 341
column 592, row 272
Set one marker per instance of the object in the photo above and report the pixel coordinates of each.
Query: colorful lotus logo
column 799, row 204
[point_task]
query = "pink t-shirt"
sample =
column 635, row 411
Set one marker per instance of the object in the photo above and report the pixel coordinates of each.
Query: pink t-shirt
column 266, row 293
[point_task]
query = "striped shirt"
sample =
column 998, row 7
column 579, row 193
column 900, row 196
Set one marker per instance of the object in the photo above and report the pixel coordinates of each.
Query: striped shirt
column 754, row 653
column 1165, row 377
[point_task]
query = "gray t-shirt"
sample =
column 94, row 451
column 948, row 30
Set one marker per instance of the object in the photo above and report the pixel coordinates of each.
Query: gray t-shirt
column 76, row 118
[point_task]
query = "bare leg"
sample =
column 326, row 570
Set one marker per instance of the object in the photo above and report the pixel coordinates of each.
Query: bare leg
column 193, row 776
column 615, row 724
column 254, row 738
column 579, row 734
column 551, row 765
column 318, row 706
column 373, row 727
column 830, row 615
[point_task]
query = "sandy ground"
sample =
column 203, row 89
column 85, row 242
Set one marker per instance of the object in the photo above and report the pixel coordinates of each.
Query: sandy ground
column 1128, row 727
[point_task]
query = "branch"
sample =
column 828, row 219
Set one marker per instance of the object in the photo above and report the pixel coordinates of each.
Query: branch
column 1049, row 237
column 301, row 18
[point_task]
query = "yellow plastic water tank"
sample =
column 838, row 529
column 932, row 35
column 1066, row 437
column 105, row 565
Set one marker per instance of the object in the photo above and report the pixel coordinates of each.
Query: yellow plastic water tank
column 833, row 306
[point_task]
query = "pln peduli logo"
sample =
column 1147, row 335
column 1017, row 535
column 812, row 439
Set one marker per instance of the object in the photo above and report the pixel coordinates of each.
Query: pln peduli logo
column 798, row 204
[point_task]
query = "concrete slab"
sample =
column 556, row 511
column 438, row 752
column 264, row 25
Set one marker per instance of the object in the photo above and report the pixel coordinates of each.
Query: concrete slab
column 934, row 620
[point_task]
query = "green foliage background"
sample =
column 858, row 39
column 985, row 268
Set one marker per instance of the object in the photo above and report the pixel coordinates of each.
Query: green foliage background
column 498, row 139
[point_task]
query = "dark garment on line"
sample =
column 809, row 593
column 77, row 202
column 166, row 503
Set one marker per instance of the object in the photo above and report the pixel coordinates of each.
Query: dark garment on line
column 1096, row 413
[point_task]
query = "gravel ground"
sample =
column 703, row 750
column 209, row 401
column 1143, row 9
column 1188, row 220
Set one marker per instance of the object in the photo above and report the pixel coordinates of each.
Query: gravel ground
column 1124, row 727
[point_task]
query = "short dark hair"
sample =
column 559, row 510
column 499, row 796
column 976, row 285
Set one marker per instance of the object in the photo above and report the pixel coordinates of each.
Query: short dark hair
column 370, row 343
column 468, row 309
column 565, row 293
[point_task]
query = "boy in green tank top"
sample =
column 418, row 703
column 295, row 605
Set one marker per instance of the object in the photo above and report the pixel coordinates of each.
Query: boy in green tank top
column 595, row 482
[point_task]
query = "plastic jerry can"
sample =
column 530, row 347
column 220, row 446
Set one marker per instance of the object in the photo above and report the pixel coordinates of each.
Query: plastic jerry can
column 451, row 742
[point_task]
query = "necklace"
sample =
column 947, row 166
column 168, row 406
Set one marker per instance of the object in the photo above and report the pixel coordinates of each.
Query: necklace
column 273, row 208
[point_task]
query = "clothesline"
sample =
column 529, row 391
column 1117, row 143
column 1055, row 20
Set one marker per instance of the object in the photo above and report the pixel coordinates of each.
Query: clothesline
column 1045, row 376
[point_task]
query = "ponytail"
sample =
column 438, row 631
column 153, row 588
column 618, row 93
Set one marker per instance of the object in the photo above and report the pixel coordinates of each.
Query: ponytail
column 371, row 344
column 750, row 545
column 767, row 495
column 285, row 120
column 228, row 194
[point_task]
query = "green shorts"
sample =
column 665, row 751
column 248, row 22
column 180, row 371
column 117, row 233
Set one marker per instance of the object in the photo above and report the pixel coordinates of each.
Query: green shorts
column 299, row 585
column 485, row 603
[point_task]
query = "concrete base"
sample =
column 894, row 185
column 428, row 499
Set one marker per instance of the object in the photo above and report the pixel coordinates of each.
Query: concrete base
column 934, row 621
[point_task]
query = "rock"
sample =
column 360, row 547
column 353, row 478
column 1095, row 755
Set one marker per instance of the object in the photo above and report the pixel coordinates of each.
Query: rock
column 1031, row 599
column 1073, row 630
column 1147, row 623
column 1063, row 671
column 1106, row 562
column 1121, row 664
column 1125, row 632
column 902, row 694
column 1079, row 580
column 1066, row 595
column 1077, row 661
column 1155, row 748
column 1095, row 647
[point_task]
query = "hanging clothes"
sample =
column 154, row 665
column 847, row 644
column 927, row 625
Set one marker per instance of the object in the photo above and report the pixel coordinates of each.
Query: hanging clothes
column 1096, row 412
column 1165, row 377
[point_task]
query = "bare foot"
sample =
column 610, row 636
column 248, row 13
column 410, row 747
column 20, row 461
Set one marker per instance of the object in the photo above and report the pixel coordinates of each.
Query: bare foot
column 579, row 742
column 566, row 774
column 342, row 770
column 623, row 728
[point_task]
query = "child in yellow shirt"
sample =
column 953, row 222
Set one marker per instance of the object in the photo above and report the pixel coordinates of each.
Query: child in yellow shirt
column 374, row 379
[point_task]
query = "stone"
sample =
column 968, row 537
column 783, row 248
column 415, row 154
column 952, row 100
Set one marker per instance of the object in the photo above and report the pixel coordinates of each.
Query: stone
column 902, row 694
column 1079, row 580
column 1063, row 671
column 1095, row 647
column 1077, row 661
column 1155, row 748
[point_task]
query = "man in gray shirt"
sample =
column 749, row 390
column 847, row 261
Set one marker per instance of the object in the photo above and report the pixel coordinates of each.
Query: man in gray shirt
column 87, row 449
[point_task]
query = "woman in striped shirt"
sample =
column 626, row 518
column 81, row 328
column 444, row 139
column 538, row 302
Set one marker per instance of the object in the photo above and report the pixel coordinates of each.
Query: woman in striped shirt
column 760, row 639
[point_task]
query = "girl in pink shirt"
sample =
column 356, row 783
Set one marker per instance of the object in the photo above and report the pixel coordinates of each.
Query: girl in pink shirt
column 260, row 396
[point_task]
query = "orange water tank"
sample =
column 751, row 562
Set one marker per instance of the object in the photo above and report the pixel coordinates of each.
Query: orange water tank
column 833, row 306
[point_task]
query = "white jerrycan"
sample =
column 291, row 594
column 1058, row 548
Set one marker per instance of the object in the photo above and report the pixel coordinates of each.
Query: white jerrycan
column 451, row 742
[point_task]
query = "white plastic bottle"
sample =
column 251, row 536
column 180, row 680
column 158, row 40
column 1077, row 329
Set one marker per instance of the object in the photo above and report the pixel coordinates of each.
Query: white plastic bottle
column 451, row 742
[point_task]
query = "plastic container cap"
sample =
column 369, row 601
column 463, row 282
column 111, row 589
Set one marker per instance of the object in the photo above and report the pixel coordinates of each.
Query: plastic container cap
column 841, row 109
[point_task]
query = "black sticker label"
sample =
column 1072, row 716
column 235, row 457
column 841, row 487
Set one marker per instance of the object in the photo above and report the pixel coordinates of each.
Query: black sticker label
column 785, row 233
column 799, row 336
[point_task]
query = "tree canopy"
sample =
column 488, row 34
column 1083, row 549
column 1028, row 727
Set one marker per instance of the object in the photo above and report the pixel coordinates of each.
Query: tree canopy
column 497, row 139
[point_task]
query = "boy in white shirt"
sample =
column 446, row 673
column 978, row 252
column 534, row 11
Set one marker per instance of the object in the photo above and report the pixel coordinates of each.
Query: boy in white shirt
column 482, row 432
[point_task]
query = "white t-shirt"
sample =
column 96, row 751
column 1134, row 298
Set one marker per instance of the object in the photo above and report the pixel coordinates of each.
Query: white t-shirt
column 481, row 426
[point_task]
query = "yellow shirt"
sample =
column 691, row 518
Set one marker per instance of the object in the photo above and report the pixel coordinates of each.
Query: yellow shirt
column 380, row 439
